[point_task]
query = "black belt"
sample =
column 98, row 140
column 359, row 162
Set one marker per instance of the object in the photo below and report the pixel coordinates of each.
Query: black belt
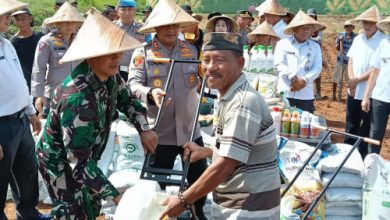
column 18, row 114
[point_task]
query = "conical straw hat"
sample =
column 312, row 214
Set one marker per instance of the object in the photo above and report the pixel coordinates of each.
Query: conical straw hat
column 167, row 12
column 66, row 13
column 271, row 7
column 10, row 5
column 98, row 37
column 384, row 25
column 210, row 25
column 303, row 19
column 264, row 29
column 372, row 14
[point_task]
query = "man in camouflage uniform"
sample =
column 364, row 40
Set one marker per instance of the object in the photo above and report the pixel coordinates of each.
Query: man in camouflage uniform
column 81, row 112
column 126, row 11
column 147, row 78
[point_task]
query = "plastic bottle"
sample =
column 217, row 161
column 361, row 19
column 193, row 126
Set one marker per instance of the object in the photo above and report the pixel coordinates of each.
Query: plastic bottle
column 284, row 99
column 304, row 130
column 277, row 118
column 270, row 60
column 294, row 130
column 262, row 59
column 314, row 130
column 247, row 58
column 286, row 123
column 253, row 59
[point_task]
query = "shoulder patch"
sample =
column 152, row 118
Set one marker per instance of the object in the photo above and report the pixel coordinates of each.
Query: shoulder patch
column 138, row 61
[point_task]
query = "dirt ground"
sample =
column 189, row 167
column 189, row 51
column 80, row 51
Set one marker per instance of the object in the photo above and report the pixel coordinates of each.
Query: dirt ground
column 333, row 111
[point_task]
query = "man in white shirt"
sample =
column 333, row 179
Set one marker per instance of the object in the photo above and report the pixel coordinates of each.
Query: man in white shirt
column 378, row 88
column 18, row 167
column 360, row 53
column 299, row 61
column 273, row 12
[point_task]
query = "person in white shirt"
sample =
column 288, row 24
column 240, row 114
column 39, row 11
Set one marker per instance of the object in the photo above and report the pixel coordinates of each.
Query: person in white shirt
column 18, row 166
column 360, row 53
column 378, row 88
column 273, row 12
column 299, row 61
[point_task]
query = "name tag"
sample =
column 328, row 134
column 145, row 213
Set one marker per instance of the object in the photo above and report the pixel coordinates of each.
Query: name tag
column 291, row 52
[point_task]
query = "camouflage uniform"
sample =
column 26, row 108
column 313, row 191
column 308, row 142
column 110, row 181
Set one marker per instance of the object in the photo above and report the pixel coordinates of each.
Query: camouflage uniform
column 76, row 132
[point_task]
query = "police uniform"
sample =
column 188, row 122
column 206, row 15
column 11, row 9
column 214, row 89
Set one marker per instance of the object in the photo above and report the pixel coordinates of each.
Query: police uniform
column 131, row 29
column 177, row 118
column 244, row 33
column 47, row 72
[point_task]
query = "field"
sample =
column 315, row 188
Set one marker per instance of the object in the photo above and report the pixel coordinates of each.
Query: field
column 333, row 111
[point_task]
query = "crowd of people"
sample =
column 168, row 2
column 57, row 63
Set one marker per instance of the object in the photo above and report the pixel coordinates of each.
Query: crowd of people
column 80, row 71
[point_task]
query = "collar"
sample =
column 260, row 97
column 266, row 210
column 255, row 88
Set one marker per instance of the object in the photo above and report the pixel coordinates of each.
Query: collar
column 91, row 78
column 376, row 35
column 280, row 23
column 294, row 41
column 230, row 92
column 156, row 44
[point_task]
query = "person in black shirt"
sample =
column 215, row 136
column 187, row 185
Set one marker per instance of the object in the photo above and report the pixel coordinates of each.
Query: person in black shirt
column 25, row 41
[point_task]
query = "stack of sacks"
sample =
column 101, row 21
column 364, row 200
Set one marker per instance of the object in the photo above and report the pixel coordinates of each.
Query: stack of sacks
column 128, row 162
column 344, row 195
column 121, row 161
column 376, row 191
column 294, row 204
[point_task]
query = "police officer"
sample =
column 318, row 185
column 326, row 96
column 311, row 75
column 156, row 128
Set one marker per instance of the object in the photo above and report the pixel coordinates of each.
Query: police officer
column 47, row 71
column 126, row 10
column 82, row 110
column 244, row 19
column 18, row 166
column 147, row 78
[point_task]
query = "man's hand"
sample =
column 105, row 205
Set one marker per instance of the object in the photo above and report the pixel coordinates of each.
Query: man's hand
column 173, row 208
column 117, row 199
column 35, row 123
column 341, row 36
column 39, row 103
column 197, row 152
column 351, row 83
column 1, row 152
column 149, row 141
column 297, row 83
column 366, row 104
column 157, row 95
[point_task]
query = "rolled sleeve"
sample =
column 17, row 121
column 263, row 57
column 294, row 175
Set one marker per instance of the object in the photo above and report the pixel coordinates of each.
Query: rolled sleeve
column 38, row 75
column 30, row 109
column 138, row 75
column 237, row 139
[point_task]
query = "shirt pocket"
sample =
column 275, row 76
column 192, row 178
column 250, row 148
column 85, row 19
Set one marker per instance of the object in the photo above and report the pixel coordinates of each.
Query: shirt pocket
column 190, row 75
column 57, row 55
column 157, row 75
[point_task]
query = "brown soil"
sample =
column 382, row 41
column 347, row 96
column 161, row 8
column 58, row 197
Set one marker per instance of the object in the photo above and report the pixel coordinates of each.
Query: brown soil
column 333, row 111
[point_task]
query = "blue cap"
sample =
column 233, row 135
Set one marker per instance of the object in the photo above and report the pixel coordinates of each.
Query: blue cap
column 127, row 3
